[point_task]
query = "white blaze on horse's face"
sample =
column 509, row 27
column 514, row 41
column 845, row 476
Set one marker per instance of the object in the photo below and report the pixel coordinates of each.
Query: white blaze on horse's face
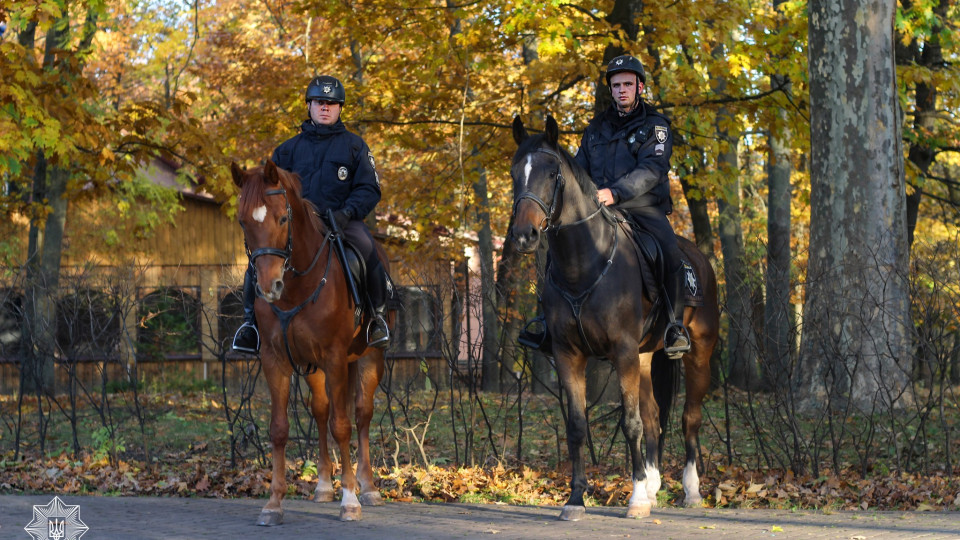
column 260, row 214
column 526, row 171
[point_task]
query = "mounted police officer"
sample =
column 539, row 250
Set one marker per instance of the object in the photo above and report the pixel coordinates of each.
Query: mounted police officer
column 626, row 149
column 337, row 172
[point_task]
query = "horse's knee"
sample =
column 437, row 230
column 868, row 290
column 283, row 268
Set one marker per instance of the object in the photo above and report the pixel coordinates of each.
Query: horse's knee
column 279, row 433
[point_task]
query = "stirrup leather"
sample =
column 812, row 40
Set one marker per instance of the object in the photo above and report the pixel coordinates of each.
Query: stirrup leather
column 237, row 335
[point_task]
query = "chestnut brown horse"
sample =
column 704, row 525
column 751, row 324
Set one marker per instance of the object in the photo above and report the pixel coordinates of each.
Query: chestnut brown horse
column 305, row 316
column 595, row 306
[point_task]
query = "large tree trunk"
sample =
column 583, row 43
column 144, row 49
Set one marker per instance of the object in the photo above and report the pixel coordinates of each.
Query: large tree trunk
column 777, row 310
column 856, row 344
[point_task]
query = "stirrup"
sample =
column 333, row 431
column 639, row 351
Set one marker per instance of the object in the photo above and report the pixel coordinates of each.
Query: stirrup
column 242, row 348
column 535, row 340
column 681, row 343
column 381, row 342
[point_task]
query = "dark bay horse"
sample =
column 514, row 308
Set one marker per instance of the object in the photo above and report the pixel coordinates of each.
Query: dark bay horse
column 305, row 316
column 595, row 306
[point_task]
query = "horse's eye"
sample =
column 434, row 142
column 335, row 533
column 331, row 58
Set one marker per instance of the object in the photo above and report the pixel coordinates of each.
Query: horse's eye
column 283, row 220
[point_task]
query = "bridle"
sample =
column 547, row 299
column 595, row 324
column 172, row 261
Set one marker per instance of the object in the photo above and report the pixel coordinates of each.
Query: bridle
column 551, row 220
column 287, row 252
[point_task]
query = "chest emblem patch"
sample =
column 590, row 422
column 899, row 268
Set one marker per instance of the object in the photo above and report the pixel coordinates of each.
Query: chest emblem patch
column 661, row 132
column 342, row 173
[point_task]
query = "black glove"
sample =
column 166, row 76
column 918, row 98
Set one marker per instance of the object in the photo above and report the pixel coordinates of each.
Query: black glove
column 342, row 217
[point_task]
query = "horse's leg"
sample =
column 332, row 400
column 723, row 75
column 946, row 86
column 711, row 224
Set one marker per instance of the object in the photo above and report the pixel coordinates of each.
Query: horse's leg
column 279, row 384
column 696, row 365
column 338, row 389
column 320, row 406
column 650, row 413
column 370, row 370
column 629, row 375
column 571, row 369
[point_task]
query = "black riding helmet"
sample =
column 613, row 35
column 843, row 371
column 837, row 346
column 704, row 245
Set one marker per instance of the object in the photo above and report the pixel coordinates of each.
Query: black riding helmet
column 625, row 62
column 326, row 88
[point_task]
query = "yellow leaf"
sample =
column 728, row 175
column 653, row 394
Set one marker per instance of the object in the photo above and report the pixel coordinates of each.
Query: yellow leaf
column 776, row 528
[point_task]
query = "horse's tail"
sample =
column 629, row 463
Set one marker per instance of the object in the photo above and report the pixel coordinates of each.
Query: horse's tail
column 665, row 375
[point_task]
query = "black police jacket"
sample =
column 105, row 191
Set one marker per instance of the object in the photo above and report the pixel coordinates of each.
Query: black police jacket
column 630, row 155
column 335, row 166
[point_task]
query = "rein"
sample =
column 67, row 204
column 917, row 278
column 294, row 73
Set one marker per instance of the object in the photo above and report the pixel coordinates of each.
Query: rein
column 286, row 316
column 553, row 226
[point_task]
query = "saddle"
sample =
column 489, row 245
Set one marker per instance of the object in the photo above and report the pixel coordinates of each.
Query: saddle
column 650, row 258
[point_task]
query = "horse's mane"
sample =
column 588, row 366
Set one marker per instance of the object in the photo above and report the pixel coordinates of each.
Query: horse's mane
column 534, row 142
column 254, row 191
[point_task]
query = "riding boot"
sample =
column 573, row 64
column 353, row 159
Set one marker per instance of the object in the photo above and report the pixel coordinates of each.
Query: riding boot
column 378, row 333
column 247, row 338
column 536, row 339
column 676, row 339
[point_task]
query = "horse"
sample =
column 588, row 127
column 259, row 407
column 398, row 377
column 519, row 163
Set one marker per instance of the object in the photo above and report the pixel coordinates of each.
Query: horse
column 305, row 315
column 595, row 306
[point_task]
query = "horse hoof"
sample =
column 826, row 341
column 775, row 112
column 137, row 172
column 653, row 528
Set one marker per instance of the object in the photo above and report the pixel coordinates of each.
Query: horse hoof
column 323, row 496
column 350, row 513
column 638, row 511
column 572, row 513
column 371, row 498
column 693, row 502
column 270, row 518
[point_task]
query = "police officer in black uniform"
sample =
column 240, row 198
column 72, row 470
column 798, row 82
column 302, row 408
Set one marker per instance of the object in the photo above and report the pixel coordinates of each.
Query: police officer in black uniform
column 337, row 172
column 626, row 149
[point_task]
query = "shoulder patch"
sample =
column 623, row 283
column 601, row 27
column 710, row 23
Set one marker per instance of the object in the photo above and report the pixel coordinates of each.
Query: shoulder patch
column 661, row 132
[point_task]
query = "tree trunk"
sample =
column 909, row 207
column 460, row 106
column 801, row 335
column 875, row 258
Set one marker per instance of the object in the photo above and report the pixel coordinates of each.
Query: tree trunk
column 856, row 344
column 741, row 334
column 777, row 309
column 490, row 366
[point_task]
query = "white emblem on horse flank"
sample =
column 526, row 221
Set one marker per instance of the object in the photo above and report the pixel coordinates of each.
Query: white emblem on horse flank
column 693, row 287
column 342, row 173
column 259, row 214
column 661, row 132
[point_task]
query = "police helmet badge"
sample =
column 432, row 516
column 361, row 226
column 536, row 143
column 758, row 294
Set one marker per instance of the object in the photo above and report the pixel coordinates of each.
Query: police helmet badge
column 661, row 133
column 342, row 173
column 327, row 89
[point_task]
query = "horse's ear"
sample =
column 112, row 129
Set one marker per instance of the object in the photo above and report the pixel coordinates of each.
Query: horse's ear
column 237, row 173
column 553, row 131
column 519, row 132
column 271, row 173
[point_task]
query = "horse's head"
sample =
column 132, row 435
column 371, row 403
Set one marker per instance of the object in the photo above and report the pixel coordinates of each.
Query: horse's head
column 264, row 213
column 537, row 183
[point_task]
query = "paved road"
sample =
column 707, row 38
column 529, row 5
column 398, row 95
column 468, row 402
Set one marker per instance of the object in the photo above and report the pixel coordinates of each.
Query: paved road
column 116, row 518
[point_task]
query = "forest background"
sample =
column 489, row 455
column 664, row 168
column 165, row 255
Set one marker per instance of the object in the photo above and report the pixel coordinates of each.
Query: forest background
column 93, row 90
